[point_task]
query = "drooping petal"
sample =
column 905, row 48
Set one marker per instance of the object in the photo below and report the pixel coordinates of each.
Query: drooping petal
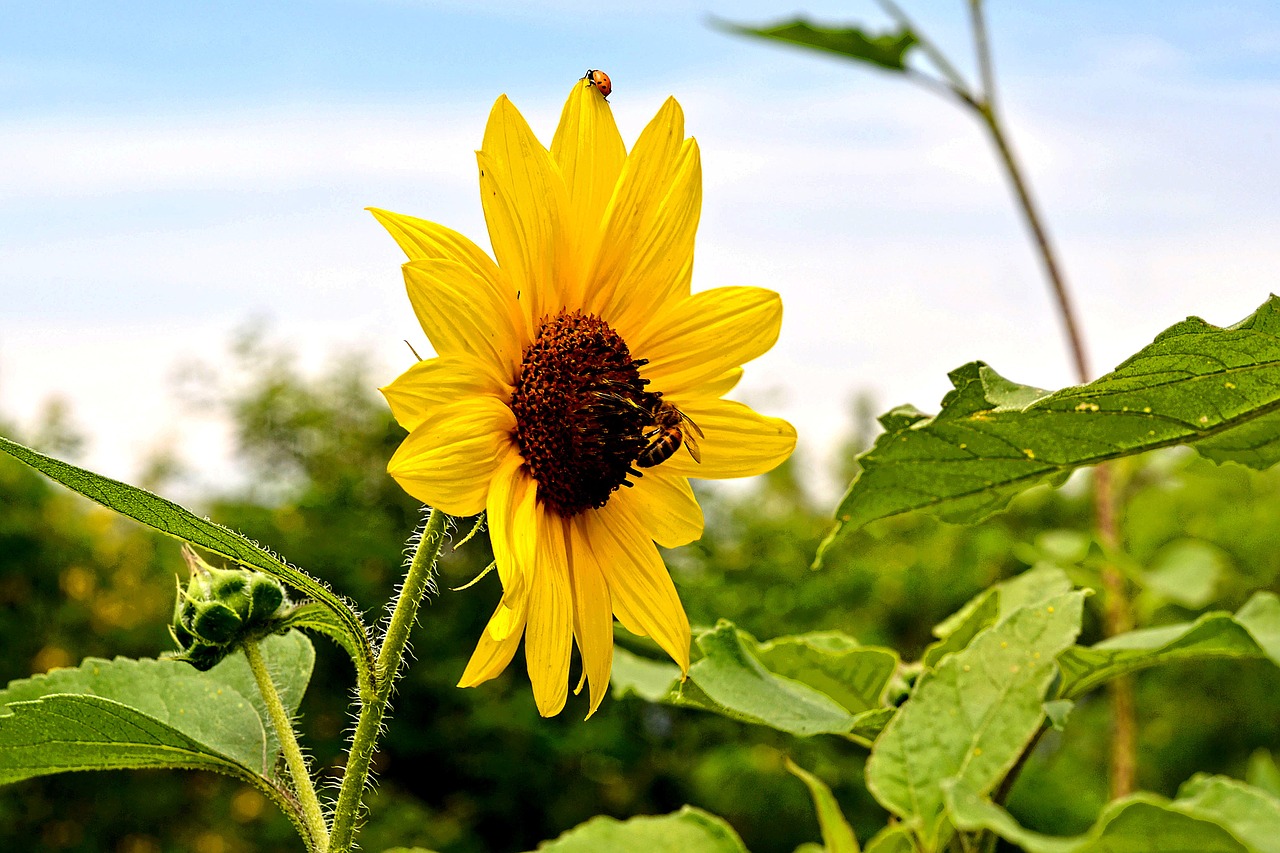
column 423, row 240
column 666, row 505
column 449, row 460
column 465, row 315
column 436, row 382
column 592, row 613
column 654, row 211
column 736, row 442
column 496, row 648
column 589, row 152
column 525, row 203
column 707, row 334
column 643, row 596
column 548, row 638
column 512, row 517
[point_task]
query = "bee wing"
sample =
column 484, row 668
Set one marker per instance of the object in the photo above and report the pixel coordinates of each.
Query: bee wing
column 693, row 445
column 696, row 428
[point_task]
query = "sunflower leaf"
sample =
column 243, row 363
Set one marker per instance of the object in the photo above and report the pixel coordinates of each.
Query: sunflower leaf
column 1252, row 814
column 1216, row 389
column 1253, row 632
column 837, row 835
column 888, row 50
column 992, row 605
column 106, row 715
column 820, row 683
column 169, row 518
column 894, row 838
column 972, row 716
column 689, row 830
column 314, row 616
column 1214, row 817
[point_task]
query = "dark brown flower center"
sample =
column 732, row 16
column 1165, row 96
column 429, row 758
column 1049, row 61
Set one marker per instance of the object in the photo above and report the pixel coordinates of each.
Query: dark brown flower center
column 580, row 407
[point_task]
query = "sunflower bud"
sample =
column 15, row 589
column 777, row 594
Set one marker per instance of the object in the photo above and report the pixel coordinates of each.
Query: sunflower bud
column 222, row 608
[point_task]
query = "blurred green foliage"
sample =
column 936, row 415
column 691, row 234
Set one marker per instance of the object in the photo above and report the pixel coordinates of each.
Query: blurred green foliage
column 464, row 771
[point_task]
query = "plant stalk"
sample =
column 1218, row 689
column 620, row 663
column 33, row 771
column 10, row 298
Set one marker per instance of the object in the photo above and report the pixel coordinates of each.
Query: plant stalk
column 305, row 789
column 1119, row 609
column 372, row 711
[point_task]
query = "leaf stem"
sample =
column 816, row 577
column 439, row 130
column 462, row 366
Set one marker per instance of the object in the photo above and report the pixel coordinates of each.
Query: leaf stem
column 936, row 56
column 982, row 48
column 303, row 787
column 373, row 709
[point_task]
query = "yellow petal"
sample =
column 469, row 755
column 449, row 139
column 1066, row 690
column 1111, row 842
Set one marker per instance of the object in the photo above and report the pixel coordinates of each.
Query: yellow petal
column 524, row 202
column 592, row 613
column 423, row 240
column 512, row 517
column 589, row 152
column 736, row 442
column 465, row 315
column 721, row 385
column 699, row 338
column 643, row 596
column 548, row 638
column 449, row 460
column 665, row 504
column 436, row 382
column 492, row 653
column 646, row 248
column 658, row 264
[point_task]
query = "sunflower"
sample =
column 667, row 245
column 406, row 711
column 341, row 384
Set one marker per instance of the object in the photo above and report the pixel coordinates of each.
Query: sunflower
column 559, row 366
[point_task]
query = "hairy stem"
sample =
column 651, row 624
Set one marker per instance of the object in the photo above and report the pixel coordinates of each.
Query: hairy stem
column 373, row 710
column 303, row 787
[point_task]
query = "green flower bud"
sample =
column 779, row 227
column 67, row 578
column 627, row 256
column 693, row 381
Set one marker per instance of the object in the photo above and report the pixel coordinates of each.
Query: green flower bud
column 220, row 609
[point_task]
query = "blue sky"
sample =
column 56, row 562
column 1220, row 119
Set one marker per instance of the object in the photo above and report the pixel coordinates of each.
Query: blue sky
column 172, row 170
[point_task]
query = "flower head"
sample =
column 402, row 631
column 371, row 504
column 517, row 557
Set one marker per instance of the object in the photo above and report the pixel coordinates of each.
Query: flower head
column 578, row 384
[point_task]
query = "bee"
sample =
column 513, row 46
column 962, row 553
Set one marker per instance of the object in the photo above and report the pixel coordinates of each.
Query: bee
column 666, row 434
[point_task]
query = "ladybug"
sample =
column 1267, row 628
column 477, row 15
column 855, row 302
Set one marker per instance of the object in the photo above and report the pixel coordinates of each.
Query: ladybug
column 600, row 80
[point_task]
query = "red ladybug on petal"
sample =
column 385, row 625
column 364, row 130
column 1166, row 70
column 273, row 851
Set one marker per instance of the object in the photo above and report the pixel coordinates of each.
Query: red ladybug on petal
column 600, row 80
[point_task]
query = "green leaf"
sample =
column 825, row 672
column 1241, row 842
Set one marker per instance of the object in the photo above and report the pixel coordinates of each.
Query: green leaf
column 1185, row 572
column 169, row 518
column 1253, row 632
column 689, row 830
column 1058, row 710
column 786, row 694
column 651, row 680
column 853, row 675
column 837, row 835
column 731, row 676
column 888, row 51
column 1262, row 772
column 314, row 616
column 1251, row 814
column 124, row 713
column 992, row 605
column 1217, row 389
column 972, row 717
column 892, row 839
column 1142, row 823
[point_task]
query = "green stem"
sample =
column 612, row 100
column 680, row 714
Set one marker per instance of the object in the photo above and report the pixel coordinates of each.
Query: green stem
column 312, row 814
column 372, row 711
